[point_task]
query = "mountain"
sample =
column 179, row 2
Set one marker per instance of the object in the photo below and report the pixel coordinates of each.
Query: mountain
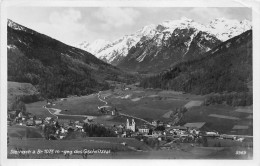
column 225, row 68
column 114, row 52
column 94, row 47
column 156, row 47
column 56, row 69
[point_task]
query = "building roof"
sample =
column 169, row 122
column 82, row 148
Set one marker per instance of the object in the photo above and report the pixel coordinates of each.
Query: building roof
column 240, row 127
column 195, row 125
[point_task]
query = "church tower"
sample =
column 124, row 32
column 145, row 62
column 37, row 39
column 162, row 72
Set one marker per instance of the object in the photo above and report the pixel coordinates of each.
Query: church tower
column 130, row 126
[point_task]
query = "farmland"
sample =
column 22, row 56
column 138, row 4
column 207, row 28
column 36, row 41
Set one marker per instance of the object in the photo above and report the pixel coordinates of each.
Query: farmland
column 149, row 104
column 22, row 131
column 218, row 117
column 83, row 105
column 38, row 110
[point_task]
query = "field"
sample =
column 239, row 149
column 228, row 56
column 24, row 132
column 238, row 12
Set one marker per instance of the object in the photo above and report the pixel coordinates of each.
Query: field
column 224, row 125
column 38, row 110
column 23, row 131
column 83, row 105
column 224, row 117
column 148, row 104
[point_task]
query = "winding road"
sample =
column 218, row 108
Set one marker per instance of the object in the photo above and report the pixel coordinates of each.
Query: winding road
column 56, row 112
column 119, row 112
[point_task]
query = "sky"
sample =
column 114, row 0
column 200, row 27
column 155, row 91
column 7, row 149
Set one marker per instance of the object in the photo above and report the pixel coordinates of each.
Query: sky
column 73, row 25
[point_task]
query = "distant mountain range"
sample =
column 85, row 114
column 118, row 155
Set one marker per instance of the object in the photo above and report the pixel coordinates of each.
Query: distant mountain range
column 157, row 47
column 55, row 68
column 225, row 68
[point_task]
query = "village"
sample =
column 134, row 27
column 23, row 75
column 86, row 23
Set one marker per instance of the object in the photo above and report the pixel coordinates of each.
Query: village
column 155, row 133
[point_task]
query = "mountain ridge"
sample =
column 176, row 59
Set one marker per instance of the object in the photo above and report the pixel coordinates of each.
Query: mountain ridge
column 227, row 67
column 220, row 28
column 55, row 68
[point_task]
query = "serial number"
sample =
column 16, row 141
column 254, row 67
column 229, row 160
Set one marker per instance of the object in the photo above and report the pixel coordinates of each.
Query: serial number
column 240, row 152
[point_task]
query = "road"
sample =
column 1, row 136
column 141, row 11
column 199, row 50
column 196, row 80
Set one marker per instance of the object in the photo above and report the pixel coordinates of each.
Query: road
column 99, row 97
column 56, row 112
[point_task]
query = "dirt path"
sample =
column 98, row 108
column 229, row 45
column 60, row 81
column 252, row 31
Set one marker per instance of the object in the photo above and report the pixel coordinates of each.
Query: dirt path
column 57, row 112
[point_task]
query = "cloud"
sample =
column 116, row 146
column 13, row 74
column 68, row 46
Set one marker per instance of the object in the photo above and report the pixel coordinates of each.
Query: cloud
column 116, row 17
column 63, row 25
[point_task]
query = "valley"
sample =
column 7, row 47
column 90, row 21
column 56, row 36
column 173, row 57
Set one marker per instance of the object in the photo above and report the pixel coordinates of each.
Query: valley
column 176, row 90
column 144, row 106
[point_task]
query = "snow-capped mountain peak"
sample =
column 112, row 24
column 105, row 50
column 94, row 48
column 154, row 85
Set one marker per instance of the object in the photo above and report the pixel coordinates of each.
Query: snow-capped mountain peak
column 225, row 29
column 95, row 46
column 113, row 52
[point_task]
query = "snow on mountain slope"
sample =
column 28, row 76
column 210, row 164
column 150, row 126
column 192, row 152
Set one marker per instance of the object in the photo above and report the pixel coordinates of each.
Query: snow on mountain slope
column 95, row 46
column 225, row 29
column 114, row 52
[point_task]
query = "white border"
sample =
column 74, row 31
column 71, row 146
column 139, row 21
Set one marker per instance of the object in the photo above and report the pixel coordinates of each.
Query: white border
column 255, row 5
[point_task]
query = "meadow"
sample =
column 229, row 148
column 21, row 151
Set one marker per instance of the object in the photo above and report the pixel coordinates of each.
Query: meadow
column 83, row 105
column 17, row 131
column 228, row 117
column 37, row 109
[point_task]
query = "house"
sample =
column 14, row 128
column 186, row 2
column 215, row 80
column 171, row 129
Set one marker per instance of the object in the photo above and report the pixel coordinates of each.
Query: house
column 160, row 124
column 212, row 134
column 156, row 133
column 20, row 114
column 38, row 121
column 12, row 114
column 114, row 112
column 62, row 130
column 79, row 126
column 143, row 129
column 30, row 122
column 47, row 118
column 154, row 123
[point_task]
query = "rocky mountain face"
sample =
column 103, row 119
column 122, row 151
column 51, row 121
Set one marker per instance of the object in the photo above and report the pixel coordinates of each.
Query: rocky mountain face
column 225, row 68
column 156, row 47
column 55, row 68
column 114, row 52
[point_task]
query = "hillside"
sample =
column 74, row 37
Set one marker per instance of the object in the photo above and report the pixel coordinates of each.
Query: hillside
column 226, row 68
column 24, row 92
column 55, row 68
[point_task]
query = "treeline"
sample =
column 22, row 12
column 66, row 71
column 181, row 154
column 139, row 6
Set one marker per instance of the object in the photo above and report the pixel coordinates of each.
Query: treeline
column 232, row 99
column 95, row 130
column 228, row 70
column 17, row 105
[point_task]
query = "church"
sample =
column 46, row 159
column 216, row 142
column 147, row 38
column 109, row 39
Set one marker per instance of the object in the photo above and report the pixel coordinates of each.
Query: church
column 130, row 126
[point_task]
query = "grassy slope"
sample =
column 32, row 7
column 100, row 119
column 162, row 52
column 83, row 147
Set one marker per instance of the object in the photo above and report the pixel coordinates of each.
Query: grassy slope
column 24, row 91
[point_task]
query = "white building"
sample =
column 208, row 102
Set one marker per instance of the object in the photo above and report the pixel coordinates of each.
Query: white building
column 130, row 126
